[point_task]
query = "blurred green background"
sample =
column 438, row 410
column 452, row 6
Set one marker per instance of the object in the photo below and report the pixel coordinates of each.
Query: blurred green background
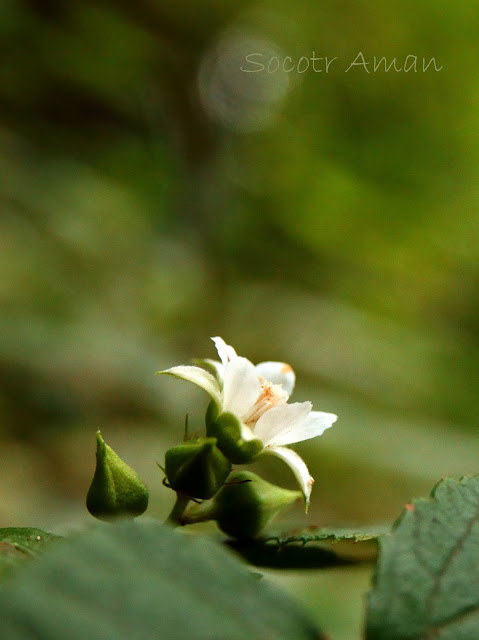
column 153, row 194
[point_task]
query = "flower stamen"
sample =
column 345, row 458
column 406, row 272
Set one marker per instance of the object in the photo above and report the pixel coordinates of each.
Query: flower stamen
column 270, row 396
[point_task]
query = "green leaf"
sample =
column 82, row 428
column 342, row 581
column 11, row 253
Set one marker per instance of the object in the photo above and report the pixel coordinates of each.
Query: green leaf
column 18, row 545
column 329, row 534
column 426, row 584
column 290, row 557
column 312, row 548
column 144, row 581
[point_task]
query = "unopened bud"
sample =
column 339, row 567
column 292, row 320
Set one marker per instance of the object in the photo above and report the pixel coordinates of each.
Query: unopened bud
column 197, row 468
column 244, row 505
column 116, row 489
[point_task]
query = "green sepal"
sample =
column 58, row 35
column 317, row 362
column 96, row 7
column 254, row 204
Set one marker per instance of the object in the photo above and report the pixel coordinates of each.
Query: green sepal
column 116, row 489
column 226, row 428
column 197, row 468
column 245, row 505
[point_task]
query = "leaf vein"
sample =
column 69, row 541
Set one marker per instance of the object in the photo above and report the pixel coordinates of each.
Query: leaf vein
column 454, row 551
column 434, row 631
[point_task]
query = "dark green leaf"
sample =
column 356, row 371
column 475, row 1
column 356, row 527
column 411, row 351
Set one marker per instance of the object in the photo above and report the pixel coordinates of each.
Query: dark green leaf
column 427, row 581
column 143, row 581
column 291, row 557
column 328, row 534
column 295, row 549
column 19, row 544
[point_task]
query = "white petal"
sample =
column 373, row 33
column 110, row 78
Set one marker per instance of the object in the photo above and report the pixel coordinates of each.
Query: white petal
column 280, row 420
column 198, row 376
column 298, row 467
column 215, row 367
column 314, row 425
column 241, row 386
column 278, row 373
column 225, row 352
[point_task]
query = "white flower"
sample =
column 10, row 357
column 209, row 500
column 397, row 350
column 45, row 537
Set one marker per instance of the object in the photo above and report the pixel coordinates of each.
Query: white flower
column 258, row 397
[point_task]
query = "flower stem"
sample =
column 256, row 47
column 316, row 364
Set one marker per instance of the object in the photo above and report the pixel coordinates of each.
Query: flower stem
column 176, row 516
column 199, row 513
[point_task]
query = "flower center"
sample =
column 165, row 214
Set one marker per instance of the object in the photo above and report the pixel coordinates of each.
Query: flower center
column 270, row 396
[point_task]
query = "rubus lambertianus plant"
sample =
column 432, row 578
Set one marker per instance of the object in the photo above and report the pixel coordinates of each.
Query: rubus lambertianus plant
column 249, row 416
column 146, row 580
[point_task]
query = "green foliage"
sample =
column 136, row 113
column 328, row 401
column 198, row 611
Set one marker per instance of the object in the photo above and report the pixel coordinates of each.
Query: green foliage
column 328, row 534
column 20, row 544
column 313, row 548
column 427, row 580
column 145, row 581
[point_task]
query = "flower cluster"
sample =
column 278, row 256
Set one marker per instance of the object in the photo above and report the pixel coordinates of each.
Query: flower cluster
column 249, row 414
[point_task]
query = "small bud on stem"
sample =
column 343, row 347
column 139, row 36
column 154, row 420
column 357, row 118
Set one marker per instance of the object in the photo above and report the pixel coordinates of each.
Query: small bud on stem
column 196, row 468
column 244, row 505
column 116, row 489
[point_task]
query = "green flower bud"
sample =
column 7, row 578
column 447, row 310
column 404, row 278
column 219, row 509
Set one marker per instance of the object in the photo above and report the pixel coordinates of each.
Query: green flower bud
column 197, row 468
column 226, row 428
column 244, row 505
column 116, row 489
